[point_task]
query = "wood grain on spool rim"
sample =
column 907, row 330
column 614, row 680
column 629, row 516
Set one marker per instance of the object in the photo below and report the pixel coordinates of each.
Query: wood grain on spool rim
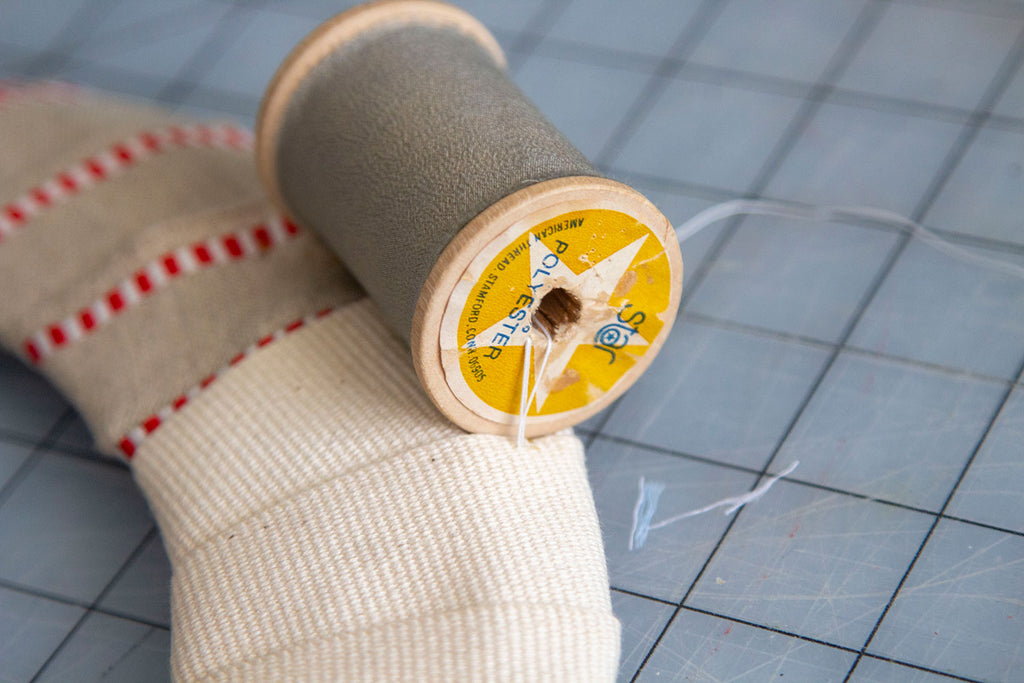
column 327, row 38
column 533, row 205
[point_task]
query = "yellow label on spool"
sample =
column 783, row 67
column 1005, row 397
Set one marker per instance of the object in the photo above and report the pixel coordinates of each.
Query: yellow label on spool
column 608, row 263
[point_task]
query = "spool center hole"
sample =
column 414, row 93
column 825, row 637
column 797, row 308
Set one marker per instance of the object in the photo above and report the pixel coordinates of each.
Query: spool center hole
column 558, row 311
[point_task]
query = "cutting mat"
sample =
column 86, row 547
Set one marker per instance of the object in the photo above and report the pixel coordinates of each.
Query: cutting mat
column 891, row 371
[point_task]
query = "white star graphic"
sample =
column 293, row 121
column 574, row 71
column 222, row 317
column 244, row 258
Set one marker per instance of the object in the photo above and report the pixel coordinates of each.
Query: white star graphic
column 593, row 288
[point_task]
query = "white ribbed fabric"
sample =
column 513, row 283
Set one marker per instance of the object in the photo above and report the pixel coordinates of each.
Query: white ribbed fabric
column 324, row 522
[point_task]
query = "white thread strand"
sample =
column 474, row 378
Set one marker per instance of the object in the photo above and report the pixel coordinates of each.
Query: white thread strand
column 640, row 498
column 735, row 502
column 524, row 394
column 647, row 501
column 524, row 399
column 643, row 511
column 543, row 363
column 838, row 214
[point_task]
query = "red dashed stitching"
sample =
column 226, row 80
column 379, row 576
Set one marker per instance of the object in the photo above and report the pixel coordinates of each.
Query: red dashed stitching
column 119, row 156
column 131, row 441
column 145, row 281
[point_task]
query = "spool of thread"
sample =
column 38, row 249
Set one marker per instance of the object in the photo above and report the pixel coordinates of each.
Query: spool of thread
column 394, row 132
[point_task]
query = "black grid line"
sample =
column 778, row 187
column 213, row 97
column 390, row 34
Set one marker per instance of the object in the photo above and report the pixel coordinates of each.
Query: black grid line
column 150, row 535
column 64, row 600
column 655, row 86
column 825, row 643
column 768, row 333
column 136, row 33
column 711, row 193
column 931, row 529
column 995, row 89
column 996, row 8
column 47, row 445
column 598, row 55
column 635, row 594
column 792, row 479
column 709, row 259
column 999, row 83
column 856, row 35
column 693, row 70
column 17, row 439
column 532, row 41
column 658, row 81
column 80, row 23
column 525, row 43
column 565, row 50
column 794, row 635
column 842, row 57
column 71, row 452
column 199, row 63
column 1005, row 123
column 34, row 456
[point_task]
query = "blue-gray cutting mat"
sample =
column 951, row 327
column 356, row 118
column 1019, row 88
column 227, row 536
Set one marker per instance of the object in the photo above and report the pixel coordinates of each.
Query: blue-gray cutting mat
column 890, row 370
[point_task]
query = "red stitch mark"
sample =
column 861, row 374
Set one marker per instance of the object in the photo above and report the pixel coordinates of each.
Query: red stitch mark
column 262, row 236
column 124, row 153
column 142, row 283
column 204, row 134
column 728, row 630
column 171, row 265
column 236, row 137
column 95, row 168
column 233, row 246
column 103, row 166
column 33, row 351
column 57, row 335
column 41, row 91
column 128, row 446
column 67, row 181
column 14, row 213
column 202, row 253
column 178, row 135
column 324, row 312
column 41, row 196
column 150, row 141
column 290, row 227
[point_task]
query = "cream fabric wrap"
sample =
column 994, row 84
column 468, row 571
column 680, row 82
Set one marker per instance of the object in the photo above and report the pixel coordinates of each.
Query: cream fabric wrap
column 323, row 521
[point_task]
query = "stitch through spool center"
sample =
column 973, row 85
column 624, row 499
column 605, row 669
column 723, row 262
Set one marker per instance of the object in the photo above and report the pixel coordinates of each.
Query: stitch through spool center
column 558, row 310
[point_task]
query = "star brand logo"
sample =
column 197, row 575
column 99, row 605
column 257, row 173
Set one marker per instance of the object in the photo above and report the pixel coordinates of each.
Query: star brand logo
column 599, row 323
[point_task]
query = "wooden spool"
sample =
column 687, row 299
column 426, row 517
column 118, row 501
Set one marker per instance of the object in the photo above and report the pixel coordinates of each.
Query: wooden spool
column 393, row 131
